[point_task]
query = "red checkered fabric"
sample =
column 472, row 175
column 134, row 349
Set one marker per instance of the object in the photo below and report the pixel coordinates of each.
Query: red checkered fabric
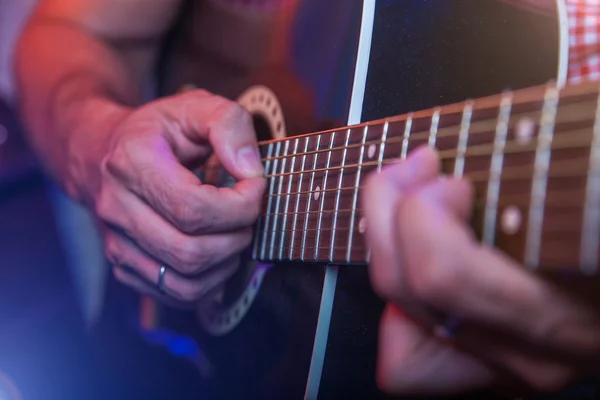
column 584, row 40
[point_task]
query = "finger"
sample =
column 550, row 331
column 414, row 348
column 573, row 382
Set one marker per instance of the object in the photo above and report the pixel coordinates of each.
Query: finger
column 530, row 365
column 448, row 269
column 380, row 197
column 141, row 286
column 181, row 288
column 136, row 283
column 189, row 255
column 227, row 126
column 148, row 168
column 411, row 361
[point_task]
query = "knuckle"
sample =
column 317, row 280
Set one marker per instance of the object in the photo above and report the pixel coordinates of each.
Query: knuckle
column 116, row 160
column 191, row 256
column 232, row 111
column 188, row 291
column 120, row 275
column 104, row 205
column 433, row 281
column 111, row 249
column 193, row 216
column 184, row 217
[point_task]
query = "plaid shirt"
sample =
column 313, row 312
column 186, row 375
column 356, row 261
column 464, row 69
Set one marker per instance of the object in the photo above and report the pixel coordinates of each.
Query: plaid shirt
column 584, row 40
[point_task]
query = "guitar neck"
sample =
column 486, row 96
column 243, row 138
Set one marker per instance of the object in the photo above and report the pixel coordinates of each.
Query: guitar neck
column 532, row 155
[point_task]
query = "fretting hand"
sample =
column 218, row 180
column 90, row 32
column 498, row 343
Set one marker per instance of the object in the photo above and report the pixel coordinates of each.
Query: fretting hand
column 429, row 267
column 156, row 212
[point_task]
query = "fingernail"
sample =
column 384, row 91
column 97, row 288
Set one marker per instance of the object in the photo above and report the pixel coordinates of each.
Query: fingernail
column 248, row 159
column 420, row 156
column 421, row 152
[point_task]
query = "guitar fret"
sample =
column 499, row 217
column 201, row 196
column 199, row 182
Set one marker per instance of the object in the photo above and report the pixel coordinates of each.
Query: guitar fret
column 407, row 129
column 276, row 216
column 258, row 224
column 298, row 199
column 540, row 177
column 590, row 239
column 312, row 181
column 549, row 179
column 322, row 197
column 355, row 196
column 463, row 138
column 435, row 122
column 337, row 198
column 386, row 127
column 287, row 201
column 271, row 186
column 496, row 164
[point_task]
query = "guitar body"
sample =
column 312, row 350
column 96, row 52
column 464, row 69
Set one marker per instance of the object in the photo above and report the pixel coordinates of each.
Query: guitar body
column 411, row 55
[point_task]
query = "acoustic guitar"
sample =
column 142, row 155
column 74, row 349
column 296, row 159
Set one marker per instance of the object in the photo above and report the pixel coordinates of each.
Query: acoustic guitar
column 481, row 80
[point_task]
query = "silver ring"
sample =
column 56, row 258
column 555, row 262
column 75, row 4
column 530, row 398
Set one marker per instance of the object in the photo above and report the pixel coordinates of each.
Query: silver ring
column 161, row 278
column 449, row 328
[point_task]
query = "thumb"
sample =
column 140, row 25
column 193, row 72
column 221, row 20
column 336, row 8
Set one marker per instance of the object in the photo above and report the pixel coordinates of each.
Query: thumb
column 233, row 139
column 412, row 362
column 225, row 125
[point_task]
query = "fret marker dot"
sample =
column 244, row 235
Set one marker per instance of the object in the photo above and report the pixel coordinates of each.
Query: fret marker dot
column 511, row 220
column 317, row 192
column 371, row 151
column 525, row 130
column 362, row 225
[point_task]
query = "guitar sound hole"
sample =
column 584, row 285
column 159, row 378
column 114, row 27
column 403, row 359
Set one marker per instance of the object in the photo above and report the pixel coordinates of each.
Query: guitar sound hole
column 261, row 127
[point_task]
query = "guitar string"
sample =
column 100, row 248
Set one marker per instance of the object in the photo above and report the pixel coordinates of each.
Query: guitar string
column 490, row 125
column 513, row 146
column 282, row 244
column 560, row 230
column 513, row 201
column 479, row 176
column 401, row 118
column 522, row 201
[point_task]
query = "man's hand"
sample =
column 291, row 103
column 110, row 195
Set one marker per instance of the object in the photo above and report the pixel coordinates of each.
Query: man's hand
column 427, row 264
column 155, row 211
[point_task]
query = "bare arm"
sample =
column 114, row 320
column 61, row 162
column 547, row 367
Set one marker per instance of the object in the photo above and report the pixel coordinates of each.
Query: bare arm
column 79, row 64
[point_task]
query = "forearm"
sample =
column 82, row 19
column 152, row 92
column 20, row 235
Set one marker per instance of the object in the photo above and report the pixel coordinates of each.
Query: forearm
column 72, row 88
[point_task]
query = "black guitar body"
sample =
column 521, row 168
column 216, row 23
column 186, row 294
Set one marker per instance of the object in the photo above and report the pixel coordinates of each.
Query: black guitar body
column 422, row 54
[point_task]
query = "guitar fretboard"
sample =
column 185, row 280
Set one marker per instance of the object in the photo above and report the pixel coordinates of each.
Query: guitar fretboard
column 533, row 157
